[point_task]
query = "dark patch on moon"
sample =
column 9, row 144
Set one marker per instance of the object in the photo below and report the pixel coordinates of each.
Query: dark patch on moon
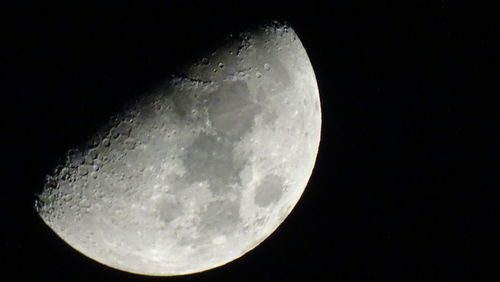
column 269, row 190
column 182, row 102
column 269, row 118
column 220, row 217
column 169, row 209
column 231, row 111
column 210, row 158
column 277, row 72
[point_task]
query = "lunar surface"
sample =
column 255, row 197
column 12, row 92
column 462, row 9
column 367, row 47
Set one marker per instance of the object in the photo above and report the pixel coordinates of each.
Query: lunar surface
column 198, row 172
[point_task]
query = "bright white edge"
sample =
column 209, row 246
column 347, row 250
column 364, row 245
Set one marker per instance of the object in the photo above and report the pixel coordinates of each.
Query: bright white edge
column 275, row 27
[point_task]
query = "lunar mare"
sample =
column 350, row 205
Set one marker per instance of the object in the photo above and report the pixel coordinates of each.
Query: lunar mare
column 201, row 170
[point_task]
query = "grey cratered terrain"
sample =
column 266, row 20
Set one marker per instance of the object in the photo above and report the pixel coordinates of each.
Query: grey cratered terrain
column 200, row 171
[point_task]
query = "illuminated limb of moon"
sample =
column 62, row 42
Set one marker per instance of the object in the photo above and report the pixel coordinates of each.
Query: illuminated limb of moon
column 200, row 171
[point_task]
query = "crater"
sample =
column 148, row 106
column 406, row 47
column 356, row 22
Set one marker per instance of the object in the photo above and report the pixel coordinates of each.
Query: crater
column 269, row 190
column 277, row 73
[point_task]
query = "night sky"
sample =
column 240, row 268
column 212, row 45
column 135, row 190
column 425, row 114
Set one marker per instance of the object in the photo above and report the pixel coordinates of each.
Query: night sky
column 405, row 180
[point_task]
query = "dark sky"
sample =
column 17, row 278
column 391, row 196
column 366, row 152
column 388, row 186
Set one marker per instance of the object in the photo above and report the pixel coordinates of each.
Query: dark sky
column 404, row 185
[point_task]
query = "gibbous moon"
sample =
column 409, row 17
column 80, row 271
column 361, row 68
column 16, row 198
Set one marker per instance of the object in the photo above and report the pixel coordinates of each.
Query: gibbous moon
column 198, row 172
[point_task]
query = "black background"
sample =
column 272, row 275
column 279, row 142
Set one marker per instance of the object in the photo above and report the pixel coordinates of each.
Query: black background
column 403, row 185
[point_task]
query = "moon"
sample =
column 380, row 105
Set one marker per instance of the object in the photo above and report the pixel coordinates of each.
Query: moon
column 199, row 171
